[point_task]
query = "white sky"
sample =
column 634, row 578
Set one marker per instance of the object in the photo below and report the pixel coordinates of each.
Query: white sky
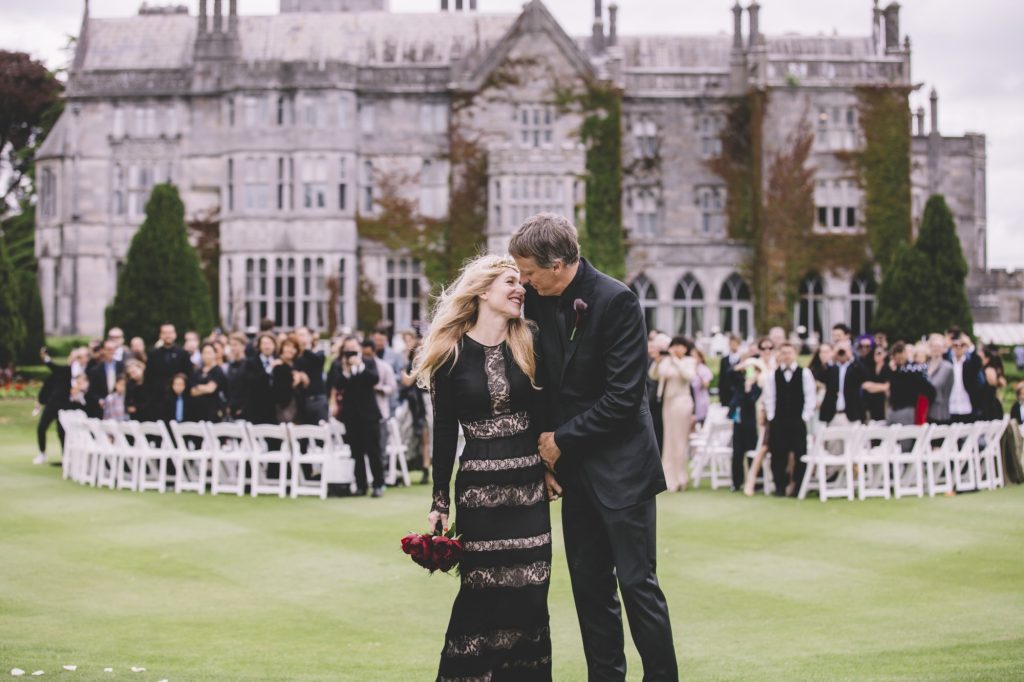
column 963, row 49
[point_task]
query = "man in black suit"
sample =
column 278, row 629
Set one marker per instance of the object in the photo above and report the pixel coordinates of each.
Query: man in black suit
column 53, row 397
column 161, row 365
column 600, row 444
column 843, row 402
column 259, row 405
column 103, row 375
column 355, row 379
column 728, row 381
column 964, row 398
column 314, row 398
column 788, row 404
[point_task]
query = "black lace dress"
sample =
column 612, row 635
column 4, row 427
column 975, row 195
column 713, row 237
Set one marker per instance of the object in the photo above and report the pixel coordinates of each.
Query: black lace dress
column 499, row 624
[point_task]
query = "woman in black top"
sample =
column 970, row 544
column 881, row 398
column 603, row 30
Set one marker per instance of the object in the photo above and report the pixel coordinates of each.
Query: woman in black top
column 287, row 381
column 136, row 398
column 876, row 380
column 993, row 385
column 906, row 383
column 207, row 388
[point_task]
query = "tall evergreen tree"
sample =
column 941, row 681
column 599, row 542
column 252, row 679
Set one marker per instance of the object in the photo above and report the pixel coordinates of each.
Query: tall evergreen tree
column 938, row 241
column 161, row 280
column 905, row 296
column 19, row 235
column 12, row 329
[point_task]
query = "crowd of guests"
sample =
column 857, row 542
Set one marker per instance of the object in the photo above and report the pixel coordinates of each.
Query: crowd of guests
column 773, row 401
column 272, row 378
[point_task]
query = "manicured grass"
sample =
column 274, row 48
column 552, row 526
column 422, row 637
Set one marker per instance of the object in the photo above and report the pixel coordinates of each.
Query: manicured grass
column 222, row 588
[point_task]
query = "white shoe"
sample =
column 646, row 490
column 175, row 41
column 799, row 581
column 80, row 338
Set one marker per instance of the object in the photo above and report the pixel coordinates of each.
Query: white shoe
column 40, row 458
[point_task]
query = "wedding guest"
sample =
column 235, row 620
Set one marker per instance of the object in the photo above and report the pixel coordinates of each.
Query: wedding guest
column 657, row 348
column 882, row 341
column 53, row 397
column 876, row 384
column 821, row 360
column 137, row 349
column 865, row 349
column 1018, row 407
column 235, row 375
column 80, row 398
column 310, row 362
column 940, row 375
column 906, row 384
column 990, row 405
column 700, row 386
column 116, row 336
column 743, row 413
column 386, row 389
column 674, row 373
column 191, row 347
column 103, row 375
column 964, row 399
column 415, row 397
column 840, row 334
column 176, row 406
column 287, row 381
column 356, row 378
column 113, row 404
column 726, row 379
column 136, row 398
column 789, row 406
column 207, row 387
column 165, row 361
column 259, row 406
column 843, row 402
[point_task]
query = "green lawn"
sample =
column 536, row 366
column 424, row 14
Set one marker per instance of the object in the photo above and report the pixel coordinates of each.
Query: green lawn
column 222, row 588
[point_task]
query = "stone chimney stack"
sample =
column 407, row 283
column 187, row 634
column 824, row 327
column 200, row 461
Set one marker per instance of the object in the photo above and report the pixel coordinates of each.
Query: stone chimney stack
column 892, row 27
column 920, row 121
column 755, row 24
column 737, row 26
column 444, row 5
column 233, row 17
column 934, row 99
column 218, row 20
column 613, row 30
column 876, row 28
column 202, row 17
column 597, row 31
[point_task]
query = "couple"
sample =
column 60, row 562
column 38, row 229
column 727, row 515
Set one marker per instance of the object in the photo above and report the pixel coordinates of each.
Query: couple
column 567, row 417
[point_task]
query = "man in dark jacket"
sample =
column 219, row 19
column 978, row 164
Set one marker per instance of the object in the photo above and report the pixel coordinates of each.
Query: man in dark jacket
column 259, row 407
column 103, row 375
column 313, row 407
column 53, row 397
column 161, row 365
column 843, row 402
column 355, row 379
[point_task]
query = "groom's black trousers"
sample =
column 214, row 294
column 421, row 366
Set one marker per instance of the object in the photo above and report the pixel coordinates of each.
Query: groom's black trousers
column 603, row 545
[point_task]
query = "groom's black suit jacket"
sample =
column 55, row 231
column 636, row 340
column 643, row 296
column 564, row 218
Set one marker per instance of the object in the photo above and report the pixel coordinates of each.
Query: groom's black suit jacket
column 596, row 387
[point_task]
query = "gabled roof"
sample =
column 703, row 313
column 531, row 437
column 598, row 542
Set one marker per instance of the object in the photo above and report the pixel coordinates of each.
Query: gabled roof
column 535, row 19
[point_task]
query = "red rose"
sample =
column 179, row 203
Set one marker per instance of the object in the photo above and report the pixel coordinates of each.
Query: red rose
column 418, row 547
column 447, row 552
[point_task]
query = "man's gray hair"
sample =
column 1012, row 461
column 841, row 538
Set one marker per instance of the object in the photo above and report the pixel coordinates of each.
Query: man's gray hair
column 546, row 237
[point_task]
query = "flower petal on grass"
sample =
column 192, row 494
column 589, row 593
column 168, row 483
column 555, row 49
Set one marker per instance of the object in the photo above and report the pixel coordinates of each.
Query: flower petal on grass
column 17, row 672
column 137, row 669
column 108, row 670
column 71, row 668
column 38, row 673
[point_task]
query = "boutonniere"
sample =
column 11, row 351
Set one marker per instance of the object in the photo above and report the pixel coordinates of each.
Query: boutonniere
column 580, row 306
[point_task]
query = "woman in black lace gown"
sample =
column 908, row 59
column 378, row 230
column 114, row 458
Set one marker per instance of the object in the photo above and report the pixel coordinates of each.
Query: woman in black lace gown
column 479, row 362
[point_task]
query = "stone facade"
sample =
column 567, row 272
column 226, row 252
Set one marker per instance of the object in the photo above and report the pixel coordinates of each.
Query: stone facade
column 281, row 128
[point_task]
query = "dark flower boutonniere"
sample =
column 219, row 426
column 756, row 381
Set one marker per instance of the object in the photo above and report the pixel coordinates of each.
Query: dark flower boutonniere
column 580, row 306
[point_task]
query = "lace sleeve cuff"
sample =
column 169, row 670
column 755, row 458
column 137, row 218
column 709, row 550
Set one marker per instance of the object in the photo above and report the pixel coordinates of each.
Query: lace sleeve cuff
column 442, row 502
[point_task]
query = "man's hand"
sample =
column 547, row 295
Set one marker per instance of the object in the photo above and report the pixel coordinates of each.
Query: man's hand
column 551, row 484
column 549, row 451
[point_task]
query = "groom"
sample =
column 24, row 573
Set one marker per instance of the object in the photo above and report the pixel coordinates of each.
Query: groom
column 593, row 350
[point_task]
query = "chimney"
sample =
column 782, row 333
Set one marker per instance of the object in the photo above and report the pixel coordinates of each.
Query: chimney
column 472, row 5
column 202, row 17
column 934, row 99
column 444, row 5
column 218, row 20
column 755, row 24
column 613, row 31
column 597, row 31
column 233, row 16
column 737, row 26
column 920, row 121
column 876, row 27
column 892, row 27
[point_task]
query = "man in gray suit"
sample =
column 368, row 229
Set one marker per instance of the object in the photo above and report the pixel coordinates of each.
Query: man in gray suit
column 940, row 374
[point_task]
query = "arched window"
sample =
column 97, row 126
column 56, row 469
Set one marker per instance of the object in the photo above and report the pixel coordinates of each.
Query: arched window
column 735, row 309
column 811, row 308
column 862, row 303
column 688, row 307
column 648, row 295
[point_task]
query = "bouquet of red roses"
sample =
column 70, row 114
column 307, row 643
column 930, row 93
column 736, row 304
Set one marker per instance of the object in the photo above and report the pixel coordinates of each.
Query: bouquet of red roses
column 434, row 552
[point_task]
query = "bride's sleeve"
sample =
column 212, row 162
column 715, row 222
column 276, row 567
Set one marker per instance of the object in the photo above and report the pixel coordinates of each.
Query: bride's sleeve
column 446, row 435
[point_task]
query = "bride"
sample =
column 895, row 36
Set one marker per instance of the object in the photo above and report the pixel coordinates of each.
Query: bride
column 479, row 363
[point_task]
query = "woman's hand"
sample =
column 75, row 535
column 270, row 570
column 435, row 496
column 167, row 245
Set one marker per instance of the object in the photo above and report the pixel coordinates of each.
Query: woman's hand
column 432, row 520
column 551, row 484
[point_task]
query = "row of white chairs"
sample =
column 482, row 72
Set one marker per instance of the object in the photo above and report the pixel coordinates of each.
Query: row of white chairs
column 873, row 460
column 225, row 457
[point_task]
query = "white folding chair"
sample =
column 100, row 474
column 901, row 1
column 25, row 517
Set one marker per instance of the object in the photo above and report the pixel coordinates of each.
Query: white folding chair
column 76, row 436
column 124, row 439
column 231, row 452
column 341, row 469
column 396, row 451
column 271, row 450
column 107, row 455
column 990, row 454
column 312, row 451
column 907, row 448
column 872, row 456
column 191, row 457
column 155, row 447
column 965, row 456
column 715, row 455
column 823, row 463
column 938, row 459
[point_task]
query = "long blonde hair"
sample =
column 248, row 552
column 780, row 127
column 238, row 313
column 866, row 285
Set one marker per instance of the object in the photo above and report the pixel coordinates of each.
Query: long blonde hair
column 456, row 312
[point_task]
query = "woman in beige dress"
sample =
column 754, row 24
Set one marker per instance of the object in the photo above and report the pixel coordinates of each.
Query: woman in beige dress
column 674, row 374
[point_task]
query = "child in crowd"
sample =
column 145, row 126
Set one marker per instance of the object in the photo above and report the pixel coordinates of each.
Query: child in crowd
column 113, row 404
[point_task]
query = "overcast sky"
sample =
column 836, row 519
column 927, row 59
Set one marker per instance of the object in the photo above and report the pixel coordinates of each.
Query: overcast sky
column 961, row 48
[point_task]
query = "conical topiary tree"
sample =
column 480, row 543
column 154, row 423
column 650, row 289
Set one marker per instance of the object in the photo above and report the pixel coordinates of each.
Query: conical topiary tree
column 905, row 296
column 12, row 328
column 938, row 241
column 161, row 280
